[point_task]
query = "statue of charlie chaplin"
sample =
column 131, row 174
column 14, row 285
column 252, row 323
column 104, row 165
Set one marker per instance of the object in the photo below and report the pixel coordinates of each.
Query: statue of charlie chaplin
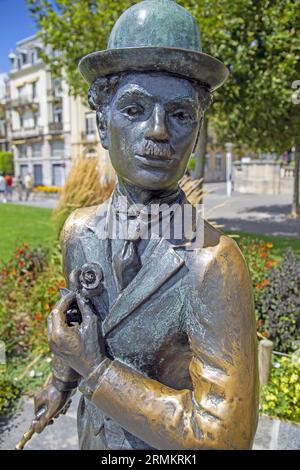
column 163, row 347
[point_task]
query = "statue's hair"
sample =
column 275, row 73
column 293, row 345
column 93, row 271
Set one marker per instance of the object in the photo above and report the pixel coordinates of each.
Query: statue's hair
column 102, row 89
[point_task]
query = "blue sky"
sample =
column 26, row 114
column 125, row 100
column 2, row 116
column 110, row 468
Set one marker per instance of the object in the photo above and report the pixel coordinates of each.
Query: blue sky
column 15, row 24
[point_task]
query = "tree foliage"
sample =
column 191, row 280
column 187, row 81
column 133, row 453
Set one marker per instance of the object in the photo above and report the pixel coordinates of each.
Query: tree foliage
column 259, row 42
column 6, row 163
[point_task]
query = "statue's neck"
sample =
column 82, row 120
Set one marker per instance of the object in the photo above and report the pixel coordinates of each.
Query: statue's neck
column 141, row 195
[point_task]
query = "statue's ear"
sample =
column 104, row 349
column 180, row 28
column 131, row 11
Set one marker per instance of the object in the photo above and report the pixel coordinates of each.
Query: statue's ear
column 102, row 128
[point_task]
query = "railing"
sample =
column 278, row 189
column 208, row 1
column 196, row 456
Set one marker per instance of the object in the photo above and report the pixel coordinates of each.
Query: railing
column 22, row 101
column 91, row 136
column 24, row 133
column 55, row 126
column 56, row 95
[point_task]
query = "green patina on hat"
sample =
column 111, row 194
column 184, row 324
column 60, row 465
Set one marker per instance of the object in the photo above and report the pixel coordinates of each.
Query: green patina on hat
column 155, row 35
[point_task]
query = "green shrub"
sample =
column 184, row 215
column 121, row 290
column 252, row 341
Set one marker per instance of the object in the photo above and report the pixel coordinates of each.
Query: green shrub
column 7, row 163
column 9, row 393
column 278, row 308
column 281, row 397
column 29, row 288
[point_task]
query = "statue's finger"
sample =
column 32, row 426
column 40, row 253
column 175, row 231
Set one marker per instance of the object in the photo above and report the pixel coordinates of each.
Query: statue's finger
column 85, row 310
column 58, row 314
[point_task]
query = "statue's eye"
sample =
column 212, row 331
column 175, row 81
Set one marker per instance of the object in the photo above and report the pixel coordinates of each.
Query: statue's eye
column 182, row 116
column 133, row 111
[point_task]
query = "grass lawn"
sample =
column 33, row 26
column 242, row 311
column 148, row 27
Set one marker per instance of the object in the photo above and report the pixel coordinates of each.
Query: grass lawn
column 33, row 225
column 281, row 244
column 20, row 224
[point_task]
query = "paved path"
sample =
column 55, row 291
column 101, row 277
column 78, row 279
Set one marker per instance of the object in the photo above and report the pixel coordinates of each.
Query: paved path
column 272, row 434
column 36, row 201
column 255, row 213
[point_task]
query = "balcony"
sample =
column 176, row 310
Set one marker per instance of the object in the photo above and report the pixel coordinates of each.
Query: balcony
column 54, row 95
column 89, row 137
column 55, row 127
column 27, row 133
column 25, row 102
column 2, row 130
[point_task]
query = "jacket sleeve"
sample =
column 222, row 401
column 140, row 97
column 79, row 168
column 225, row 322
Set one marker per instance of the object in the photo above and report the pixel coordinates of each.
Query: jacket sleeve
column 220, row 412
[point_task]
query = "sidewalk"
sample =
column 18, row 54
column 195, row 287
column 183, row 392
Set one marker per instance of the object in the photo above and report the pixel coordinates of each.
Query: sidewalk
column 254, row 213
column 272, row 434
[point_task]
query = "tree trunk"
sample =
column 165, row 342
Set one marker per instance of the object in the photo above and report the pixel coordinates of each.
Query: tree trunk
column 200, row 151
column 295, row 205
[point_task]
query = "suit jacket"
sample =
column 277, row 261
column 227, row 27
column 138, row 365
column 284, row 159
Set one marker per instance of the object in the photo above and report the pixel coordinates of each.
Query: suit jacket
column 181, row 341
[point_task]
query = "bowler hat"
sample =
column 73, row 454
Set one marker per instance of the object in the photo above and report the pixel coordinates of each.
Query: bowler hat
column 155, row 35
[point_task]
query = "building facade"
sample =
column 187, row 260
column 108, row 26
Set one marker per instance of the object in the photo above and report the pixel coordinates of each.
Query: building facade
column 49, row 128
column 5, row 136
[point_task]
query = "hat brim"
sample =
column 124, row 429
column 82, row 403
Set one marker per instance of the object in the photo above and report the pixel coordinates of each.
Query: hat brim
column 183, row 62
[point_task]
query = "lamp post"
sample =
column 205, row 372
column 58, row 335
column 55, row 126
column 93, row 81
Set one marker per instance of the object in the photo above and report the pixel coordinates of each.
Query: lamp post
column 228, row 147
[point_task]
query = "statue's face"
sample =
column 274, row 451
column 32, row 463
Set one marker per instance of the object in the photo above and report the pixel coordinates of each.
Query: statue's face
column 152, row 126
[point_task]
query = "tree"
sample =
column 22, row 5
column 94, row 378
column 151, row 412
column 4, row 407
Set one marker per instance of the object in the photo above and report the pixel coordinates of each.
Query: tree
column 6, row 163
column 74, row 28
column 258, row 41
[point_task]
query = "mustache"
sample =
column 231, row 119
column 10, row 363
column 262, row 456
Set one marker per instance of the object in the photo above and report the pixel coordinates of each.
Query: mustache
column 156, row 149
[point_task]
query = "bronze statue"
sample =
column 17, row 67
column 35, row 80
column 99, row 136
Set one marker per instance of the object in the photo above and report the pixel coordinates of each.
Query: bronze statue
column 159, row 337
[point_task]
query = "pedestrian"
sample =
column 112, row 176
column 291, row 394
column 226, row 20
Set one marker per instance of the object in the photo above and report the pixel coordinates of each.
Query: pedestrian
column 9, row 187
column 2, row 188
column 28, row 186
column 19, row 186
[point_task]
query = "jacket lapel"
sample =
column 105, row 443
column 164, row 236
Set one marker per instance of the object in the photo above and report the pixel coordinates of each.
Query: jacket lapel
column 160, row 266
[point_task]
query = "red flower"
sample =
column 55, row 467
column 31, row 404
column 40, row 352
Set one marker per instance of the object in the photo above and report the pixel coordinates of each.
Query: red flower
column 38, row 317
column 268, row 264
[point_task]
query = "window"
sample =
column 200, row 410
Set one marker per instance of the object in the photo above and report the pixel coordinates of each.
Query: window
column 21, row 121
column 34, row 90
column 22, row 150
column 57, row 148
column 38, row 175
column 33, row 56
column 37, row 150
column 35, row 119
column 207, row 162
column 21, row 91
column 2, row 128
column 28, row 121
column 24, row 58
column 90, row 123
column 57, row 87
column 218, row 161
column 57, row 174
column 57, row 114
column 23, row 172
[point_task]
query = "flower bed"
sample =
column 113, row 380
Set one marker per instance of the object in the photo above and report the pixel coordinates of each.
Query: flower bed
column 276, row 286
column 48, row 189
column 29, row 287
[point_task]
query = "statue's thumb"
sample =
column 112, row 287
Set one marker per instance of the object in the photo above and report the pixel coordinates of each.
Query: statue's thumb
column 85, row 309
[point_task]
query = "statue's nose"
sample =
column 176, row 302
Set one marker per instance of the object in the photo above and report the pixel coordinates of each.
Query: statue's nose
column 157, row 129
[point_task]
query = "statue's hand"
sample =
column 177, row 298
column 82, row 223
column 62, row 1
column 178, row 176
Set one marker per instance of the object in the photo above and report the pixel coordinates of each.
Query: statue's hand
column 80, row 346
column 48, row 404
